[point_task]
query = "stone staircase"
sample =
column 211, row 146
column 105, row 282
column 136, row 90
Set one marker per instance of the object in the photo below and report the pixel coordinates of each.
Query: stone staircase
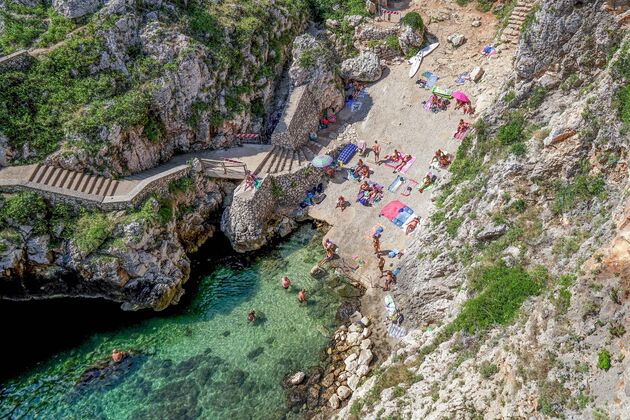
column 282, row 160
column 512, row 32
column 54, row 179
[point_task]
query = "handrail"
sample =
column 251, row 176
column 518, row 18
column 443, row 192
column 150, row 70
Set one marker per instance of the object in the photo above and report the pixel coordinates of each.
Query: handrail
column 224, row 164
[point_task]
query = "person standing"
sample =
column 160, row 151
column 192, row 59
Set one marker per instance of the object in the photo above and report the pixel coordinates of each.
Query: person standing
column 376, row 148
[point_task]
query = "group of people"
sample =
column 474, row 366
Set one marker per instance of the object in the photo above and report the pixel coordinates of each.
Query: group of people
column 390, row 276
column 369, row 193
column 250, row 180
column 399, row 158
column 353, row 89
column 437, row 103
column 441, row 158
column 285, row 282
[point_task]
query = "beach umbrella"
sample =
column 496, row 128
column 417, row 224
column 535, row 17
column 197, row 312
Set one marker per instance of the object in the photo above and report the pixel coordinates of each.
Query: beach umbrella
column 322, row 161
column 460, row 96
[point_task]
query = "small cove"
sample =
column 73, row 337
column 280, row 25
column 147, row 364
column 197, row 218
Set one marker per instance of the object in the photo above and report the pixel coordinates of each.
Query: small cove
column 201, row 358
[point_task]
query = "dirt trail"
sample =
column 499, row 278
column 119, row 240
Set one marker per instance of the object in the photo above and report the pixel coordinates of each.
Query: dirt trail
column 393, row 115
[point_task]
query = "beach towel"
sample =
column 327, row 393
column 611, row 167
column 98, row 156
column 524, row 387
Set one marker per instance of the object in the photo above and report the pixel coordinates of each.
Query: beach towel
column 430, row 79
column 407, row 165
column 396, row 331
column 408, row 187
column 390, row 305
column 459, row 135
column 351, row 176
column 347, row 153
column 396, row 184
column 461, row 79
column 358, row 262
column 391, row 209
column 444, row 93
column 488, row 51
column 427, row 104
column 404, row 169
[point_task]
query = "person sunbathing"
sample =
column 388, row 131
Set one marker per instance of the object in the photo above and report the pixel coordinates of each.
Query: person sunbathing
column 389, row 279
column 365, row 172
column 358, row 168
column 341, row 203
column 444, row 160
column 250, row 180
column 364, row 187
column 468, row 109
column 462, row 126
column 427, row 181
column 394, row 157
column 402, row 163
column 411, row 226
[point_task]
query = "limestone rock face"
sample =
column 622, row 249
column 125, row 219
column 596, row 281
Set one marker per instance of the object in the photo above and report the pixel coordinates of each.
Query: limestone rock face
column 581, row 124
column 140, row 263
column 319, row 75
column 76, row 8
column 366, row 67
column 409, row 39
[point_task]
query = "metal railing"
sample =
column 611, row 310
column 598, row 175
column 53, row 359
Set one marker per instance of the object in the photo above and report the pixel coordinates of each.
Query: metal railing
column 226, row 166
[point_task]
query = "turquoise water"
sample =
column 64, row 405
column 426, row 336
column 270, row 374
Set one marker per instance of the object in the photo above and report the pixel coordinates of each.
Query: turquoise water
column 204, row 361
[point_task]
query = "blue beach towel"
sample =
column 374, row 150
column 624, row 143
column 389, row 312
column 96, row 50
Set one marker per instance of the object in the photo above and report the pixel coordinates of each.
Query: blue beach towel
column 347, row 153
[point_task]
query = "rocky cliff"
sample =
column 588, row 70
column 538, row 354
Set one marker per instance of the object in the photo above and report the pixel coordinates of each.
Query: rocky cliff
column 517, row 290
column 136, row 257
column 129, row 83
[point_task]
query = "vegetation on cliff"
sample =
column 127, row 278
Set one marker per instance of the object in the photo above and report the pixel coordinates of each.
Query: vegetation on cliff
column 76, row 93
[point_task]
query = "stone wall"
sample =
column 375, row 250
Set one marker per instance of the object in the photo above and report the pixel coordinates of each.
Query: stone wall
column 248, row 220
column 299, row 118
column 19, row 60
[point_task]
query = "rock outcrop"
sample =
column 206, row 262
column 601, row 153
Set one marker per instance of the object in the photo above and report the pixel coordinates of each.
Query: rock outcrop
column 365, row 68
column 554, row 209
column 138, row 258
column 175, row 86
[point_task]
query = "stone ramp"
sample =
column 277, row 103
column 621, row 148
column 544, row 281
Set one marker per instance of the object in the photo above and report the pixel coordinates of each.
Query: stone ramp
column 112, row 193
column 512, row 32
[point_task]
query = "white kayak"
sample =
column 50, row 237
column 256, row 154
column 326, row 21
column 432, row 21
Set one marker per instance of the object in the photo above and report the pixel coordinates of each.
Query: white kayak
column 416, row 60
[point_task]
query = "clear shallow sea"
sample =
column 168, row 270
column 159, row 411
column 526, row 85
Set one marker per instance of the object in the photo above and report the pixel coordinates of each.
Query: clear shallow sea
column 205, row 360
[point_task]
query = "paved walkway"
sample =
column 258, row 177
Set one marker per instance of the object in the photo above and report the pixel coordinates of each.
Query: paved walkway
column 227, row 164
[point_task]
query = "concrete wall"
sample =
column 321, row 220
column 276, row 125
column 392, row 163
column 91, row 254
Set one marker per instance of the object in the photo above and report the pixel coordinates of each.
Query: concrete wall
column 299, row 118
column 19, row 60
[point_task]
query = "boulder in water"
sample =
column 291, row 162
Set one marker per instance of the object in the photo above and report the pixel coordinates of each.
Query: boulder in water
column 297, row 378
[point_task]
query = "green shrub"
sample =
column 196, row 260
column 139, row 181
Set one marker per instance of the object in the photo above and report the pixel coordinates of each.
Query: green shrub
column 23, row 208
column 90, row 231
column 513, row 131
column 438, row 217
column 502, row 291
column 58, row 27
column 537, row 97
column 603, row 359
column 617, row 330
column 392, row 42
column 414, row 20
column 452, row 225
column 582, row 188
column 487, row 369
column 519, row 149
column 307, row 60
column 336, row 9
column 180, row 185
